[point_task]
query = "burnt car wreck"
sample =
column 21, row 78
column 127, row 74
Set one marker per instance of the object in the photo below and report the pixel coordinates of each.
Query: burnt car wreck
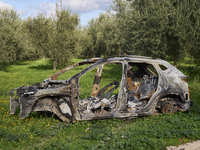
column 145, row 86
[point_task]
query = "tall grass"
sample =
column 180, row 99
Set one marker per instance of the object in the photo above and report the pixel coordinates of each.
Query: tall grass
column 41, row 131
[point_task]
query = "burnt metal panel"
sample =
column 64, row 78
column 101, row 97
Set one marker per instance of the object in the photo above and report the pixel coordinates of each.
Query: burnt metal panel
column 135, row 98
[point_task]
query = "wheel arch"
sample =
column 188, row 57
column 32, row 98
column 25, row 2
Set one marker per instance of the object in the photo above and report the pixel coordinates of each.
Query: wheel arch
column 51, row 105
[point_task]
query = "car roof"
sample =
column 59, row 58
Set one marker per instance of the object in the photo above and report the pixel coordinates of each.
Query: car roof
column 130, row 58
column 135, row 58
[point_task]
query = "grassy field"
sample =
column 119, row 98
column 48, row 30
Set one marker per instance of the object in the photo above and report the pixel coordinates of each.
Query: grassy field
column 41, row 131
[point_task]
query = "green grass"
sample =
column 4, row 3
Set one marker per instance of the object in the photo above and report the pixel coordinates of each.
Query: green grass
column 41, row 131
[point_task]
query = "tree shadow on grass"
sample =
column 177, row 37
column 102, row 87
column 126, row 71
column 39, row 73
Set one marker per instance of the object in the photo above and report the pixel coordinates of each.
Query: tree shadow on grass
column 190, row 71
column 6, row 66
column 47, row 66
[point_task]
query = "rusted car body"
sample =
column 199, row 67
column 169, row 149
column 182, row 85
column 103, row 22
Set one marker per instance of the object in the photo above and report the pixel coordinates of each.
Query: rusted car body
column 147, row 86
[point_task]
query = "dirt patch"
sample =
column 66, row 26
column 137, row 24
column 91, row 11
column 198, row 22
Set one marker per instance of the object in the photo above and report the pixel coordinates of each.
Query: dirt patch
column 194, row 145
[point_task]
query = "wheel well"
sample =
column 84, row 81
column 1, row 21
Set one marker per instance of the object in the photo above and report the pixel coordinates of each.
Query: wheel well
column 170, row 104
column 173, row 99
column 172, row 96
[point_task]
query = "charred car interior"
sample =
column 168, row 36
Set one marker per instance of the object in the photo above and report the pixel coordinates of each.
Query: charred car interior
column 114, row 87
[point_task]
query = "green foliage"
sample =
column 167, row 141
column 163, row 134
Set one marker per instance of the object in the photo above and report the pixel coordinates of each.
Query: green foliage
column 103, row 34
column 63, row 42
column 11, row 36
column 165, row 29
column 4, row 135
column 159, row 28
column 38, row 30
column 151, row 134
column 55, row 37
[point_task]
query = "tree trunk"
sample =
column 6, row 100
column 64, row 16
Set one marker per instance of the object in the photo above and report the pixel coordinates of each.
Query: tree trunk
column 58, row 63
column 175, row 62
column 54, row 64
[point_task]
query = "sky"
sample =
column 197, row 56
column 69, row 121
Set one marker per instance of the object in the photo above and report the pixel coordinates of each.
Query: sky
column 87, row 9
